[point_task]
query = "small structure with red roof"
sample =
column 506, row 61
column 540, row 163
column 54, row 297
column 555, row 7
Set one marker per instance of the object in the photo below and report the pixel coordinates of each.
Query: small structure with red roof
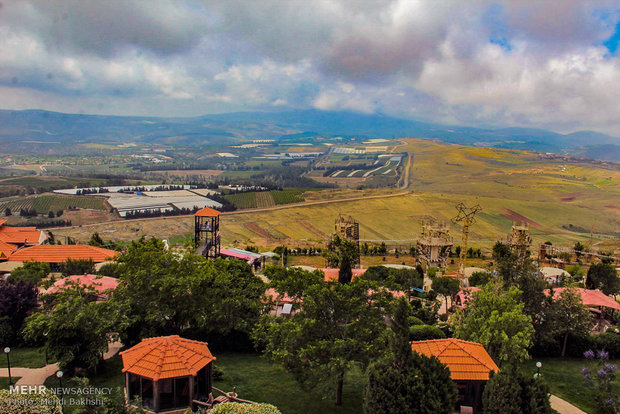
column 207, row 232
column 100, row 284
column 464, row 296
column 168, row 372
column 331, row 275
column 469, row 363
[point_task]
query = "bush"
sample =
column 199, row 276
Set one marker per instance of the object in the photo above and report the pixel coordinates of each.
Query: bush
column 46, row 403
column 479, row 278
column 511, row 392
column 610, row 342
column 425, row 332
column 241, row 408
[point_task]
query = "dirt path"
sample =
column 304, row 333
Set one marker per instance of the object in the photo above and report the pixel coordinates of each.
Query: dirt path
column 37, row 376
column 564, row 407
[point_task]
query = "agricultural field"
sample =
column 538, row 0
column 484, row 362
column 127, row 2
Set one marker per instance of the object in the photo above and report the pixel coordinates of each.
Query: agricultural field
column 45, row 203
column 264, row 199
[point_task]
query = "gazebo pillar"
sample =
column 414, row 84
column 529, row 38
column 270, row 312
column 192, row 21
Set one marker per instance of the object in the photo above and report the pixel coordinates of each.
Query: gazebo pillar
column 191, row 389
column 156, row 396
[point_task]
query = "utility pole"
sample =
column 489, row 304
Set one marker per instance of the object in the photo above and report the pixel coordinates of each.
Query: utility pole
column 466, row 217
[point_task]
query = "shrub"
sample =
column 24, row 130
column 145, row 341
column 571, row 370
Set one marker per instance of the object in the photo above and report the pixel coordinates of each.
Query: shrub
column 511, row 392
column 425, row 332
column 241, row 408
column 45, row 403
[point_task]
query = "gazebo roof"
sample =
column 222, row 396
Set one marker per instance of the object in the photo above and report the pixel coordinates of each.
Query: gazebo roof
column 589, row 297
column 166, row 357
column 466, row 360
column 207, row 212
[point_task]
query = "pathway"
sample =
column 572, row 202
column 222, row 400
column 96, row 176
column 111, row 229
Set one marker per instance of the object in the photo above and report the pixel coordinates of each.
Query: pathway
column 37, row 376
column 564, row 407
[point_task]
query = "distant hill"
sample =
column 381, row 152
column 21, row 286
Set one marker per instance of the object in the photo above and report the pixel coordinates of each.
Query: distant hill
column 45, row 126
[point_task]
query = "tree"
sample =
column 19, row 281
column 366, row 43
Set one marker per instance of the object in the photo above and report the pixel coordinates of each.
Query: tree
column 240, row 408
column 510, row 392
column 31, row 272
column 396, row 279
column 16, row 301
column 406, row 382
column 604, row 277
column 7, row 212
column 447, row 287
column 569, row 316
column 343, row 254
column 76, row 328
column 50, row 214
column 339, row 326
column 77, row 267
column 166, row 294
column 579, row 248
column 479, row 278
column 495, row 318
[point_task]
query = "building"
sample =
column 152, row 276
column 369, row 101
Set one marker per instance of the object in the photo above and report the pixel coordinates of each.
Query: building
column 55, row 255
column 469, row 363
column 21, row 236
column 434, row 245
column 100, row 284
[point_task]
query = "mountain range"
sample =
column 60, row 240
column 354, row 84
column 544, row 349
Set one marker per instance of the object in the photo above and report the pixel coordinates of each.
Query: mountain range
column 22, row 127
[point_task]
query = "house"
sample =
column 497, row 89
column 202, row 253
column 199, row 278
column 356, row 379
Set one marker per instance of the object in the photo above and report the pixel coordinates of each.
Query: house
column 253, row 259
column 55, row 255
column 469, row 363
column 21, row 236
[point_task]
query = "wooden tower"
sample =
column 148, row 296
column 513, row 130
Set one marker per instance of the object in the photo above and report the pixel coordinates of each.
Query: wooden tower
column 207, row 232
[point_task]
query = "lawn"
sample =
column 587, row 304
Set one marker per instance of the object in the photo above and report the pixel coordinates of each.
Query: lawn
column 25, row 358
column 565, row 380
column 4, row 382
column 256, row 379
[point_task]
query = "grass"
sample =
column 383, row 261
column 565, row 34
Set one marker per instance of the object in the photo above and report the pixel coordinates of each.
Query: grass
column 4, row 382
column 25, row 358
column 566, row 381
column 257, row 379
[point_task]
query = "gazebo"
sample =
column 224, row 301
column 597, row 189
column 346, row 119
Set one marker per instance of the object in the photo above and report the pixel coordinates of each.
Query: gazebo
column 168, row 372
column 469, row 363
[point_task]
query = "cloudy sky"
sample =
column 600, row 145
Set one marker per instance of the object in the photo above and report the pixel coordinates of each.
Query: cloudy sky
column 550, row 64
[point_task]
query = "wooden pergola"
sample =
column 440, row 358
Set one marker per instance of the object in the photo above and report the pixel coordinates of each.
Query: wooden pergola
column 168, row 372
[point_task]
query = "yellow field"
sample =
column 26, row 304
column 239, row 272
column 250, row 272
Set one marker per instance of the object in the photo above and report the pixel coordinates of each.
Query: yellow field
column 561, row 201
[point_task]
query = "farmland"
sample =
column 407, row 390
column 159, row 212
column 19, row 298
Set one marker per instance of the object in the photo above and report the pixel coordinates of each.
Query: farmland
column 45, row 203
column 506, row 183
column 264, row 199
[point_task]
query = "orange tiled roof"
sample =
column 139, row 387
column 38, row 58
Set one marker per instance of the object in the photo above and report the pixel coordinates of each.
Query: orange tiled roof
column 207, row 212
column 589, row 297
column 6, row 249
column 21, row 235
column 466, row 360
column 166, row 357
column 60, row 253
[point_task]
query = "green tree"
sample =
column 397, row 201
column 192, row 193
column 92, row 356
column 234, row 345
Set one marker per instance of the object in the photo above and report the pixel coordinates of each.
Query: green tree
column 30, row 272
column 406, row 382
column 76, row 329
column 343, row 254
column 77, row 267
column 495, row 318
column 240, row 408
column 604, row 277
column 510, row 392
column 339, row 326
column 579, row 248
column 447, row 287
column 569, row 316
column 479, row 278
column 16, row 302
column 7, row 212
column 96, row 240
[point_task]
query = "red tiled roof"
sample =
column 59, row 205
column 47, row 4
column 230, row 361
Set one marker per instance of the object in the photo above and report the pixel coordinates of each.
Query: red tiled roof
column 589, row 297
column 272, row 294
column 332, row 274
column 21, row 235
column 466, row 360
column 60, row 253
column 99, row 283
column 166, row 357
column 207, row 212
column 6, row 249
column 465, row 295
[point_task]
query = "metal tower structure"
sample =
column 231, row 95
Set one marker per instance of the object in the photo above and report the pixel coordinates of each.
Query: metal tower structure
column 467, row 217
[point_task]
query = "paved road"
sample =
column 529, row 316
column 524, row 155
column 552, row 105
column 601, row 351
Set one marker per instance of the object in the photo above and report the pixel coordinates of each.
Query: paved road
column 37, row 376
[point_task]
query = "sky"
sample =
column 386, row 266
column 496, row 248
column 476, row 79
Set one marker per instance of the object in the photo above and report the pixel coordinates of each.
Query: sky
column 551, row 64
